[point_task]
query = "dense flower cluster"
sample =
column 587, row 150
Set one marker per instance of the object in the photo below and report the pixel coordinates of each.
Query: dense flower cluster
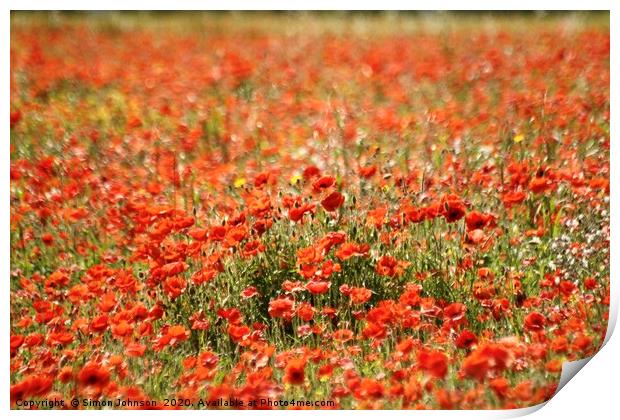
column 385, row 219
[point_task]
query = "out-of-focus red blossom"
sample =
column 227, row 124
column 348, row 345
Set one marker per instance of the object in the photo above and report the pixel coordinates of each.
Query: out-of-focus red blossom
column 390, row 266
column 323, row 183
column 94, row 375
column 297, row 213
column 487, row 359
column 453, row 208
column 369, row 389
column 281, row 308
column 368, row 171
column 135, row 350
column 172, row 336
column 360, row 295
column 534, row 321
column 455, row 313
column 500, row 386
column 215, row 223
column 174, row 286
column 466, row 339
column 16, row 117
column 477, row 220
column 294, row 372
column 36, row 385
column 435, row 363
column 350, row 249
column 16, row 342
column 332, row 201
column 318, row 287
column 305, row 311
column 311, row 172
column 239, row 332
column 512, row 198
column 249, row 292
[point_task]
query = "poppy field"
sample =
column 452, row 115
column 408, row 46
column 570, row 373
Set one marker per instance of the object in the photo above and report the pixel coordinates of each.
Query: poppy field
column 354, row 211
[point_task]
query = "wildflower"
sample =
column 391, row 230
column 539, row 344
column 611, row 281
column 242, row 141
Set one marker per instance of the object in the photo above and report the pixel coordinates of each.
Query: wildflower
column 332, row 201
column 294, row 372
column 434, row 363
column 534, row 321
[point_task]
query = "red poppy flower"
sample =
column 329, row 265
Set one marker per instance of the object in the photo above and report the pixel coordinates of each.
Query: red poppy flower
column 294, row 372
column 249, row 292
column 369, row 389
column 318, row 287
column 198, row 234
column 368, row 171
column 323, row 183
column 94, row 375
column 343, row 335
column 16, row 116
column 390, row 266
column 466, row 339
column 174, row 286
column 332, row 201
column 434, row 363
column 455, row 313
column 360, row 295
column 485, row 360
column 512, row 198
column 297, row 213
column 239, row 332
column 16, row 342
column 453, row 210
column 177, row 333
column 281, row 308
column 534, row 321
column 311, row 172
column 351, row 249
column 477, row 220
column 135, row 349
column 305, row 312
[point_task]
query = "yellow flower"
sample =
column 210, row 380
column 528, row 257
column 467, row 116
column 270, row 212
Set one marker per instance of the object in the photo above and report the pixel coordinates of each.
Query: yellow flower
column 239, row 182
column 519, row 138
column 295, row 179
